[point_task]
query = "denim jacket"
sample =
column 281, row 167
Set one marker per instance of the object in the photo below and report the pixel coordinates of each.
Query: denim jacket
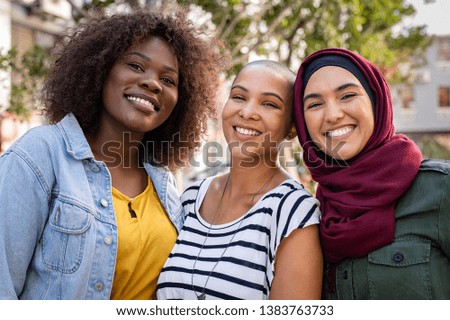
column 58, row 233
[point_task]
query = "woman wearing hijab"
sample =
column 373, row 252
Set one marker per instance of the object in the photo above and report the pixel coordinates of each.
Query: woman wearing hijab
column 385, row 227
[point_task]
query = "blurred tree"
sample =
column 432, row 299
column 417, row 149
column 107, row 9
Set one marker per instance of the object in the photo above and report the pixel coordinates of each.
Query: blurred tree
column 289, row 30
column 28, row 72
column 431, row 147
column 282, row 30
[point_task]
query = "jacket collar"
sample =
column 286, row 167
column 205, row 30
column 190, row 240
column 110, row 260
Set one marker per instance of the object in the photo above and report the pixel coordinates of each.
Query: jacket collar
column 73, row 135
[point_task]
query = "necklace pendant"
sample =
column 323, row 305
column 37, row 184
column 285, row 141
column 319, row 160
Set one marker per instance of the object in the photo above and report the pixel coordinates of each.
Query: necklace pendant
column 201, row 296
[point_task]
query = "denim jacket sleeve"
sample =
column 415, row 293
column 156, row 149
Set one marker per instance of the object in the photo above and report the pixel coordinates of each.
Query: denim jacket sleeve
column 24, row 198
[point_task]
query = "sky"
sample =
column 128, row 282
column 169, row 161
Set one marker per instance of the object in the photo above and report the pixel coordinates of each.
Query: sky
column 435, row 14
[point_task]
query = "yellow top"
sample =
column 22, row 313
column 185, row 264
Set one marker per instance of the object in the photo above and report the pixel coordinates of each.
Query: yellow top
column 145, row 242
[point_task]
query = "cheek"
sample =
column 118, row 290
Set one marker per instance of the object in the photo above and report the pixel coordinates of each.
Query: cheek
column 226, row 111
column 370, row 124
column 287, row 125
column 311, row 125
column 173, row 98
column 112, row 85
column 107, row 95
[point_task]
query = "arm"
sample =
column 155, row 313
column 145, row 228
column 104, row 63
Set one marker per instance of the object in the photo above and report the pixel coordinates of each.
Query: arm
column 298, row 266
column 23, row 211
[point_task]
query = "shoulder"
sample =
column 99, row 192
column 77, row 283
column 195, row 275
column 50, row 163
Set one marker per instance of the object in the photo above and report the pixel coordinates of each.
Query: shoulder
column 435, row 165
column 38, row 137
column 432, row 173
column 34, row 155
column 429, row 188
column 295, row 201
column 38, row 143
column 191, row 191
column 293, row 192
column 295, row 208
column 194, row 186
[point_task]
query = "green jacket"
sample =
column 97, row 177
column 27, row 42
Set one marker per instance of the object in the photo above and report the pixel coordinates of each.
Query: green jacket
column 417, row 264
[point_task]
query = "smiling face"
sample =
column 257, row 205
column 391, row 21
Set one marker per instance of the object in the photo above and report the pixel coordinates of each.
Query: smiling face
column 258, row 113
column 141, row 89
column 338, row 112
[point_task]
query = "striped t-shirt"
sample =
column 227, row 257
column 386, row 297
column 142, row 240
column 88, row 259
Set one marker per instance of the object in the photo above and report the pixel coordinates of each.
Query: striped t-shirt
column 238, row 256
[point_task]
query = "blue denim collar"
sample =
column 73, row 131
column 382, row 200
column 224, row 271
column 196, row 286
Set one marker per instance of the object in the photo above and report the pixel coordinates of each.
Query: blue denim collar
column 74, row 138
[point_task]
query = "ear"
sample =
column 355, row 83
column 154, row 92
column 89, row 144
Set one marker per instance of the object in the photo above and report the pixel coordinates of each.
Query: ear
column 292, row 133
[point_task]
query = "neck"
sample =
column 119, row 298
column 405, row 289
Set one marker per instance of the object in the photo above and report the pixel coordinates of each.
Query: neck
column 118, row 150
column 249, row 181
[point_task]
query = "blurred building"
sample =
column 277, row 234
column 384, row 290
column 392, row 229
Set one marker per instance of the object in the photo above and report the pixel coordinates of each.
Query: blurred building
column 422, row 107
column 24, row 23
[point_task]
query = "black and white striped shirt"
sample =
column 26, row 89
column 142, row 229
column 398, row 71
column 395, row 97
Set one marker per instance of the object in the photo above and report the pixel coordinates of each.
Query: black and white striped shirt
column 238, row 256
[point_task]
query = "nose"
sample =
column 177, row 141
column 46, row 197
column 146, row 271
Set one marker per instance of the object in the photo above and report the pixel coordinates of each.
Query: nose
column 150, row 82
column 249, row 111
column 334, row 112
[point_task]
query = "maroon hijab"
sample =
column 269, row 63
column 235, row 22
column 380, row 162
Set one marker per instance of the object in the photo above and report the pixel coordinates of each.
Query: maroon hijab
column 358, row 199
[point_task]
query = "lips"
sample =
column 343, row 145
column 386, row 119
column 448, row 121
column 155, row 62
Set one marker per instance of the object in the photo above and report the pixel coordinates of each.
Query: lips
column 146, row 103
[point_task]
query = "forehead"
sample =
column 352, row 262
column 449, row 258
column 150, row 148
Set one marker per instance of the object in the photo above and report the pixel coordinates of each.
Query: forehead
column 154, row 47
column 262, row 78
column 330, row 77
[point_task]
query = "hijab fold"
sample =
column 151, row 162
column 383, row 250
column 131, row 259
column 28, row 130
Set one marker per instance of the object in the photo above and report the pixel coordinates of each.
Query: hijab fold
column 358, row 197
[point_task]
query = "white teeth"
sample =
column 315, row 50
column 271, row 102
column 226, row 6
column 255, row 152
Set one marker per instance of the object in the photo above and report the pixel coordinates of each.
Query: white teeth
column 140, row 100
column 248, row 132
column 339, row 132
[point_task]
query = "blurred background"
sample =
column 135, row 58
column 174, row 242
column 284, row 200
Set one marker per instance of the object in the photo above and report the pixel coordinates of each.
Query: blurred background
column 408, row 39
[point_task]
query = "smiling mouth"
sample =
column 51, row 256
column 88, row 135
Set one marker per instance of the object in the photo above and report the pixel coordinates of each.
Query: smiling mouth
column 339, row 132
column 144, row 102
column 247, row 132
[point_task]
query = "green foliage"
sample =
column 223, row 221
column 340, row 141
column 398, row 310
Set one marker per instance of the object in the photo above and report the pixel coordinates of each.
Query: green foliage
column 102, row 3
column 290, row 30
column 284, row 30
column 431, row 148
column 28, row 72
column 97, row 4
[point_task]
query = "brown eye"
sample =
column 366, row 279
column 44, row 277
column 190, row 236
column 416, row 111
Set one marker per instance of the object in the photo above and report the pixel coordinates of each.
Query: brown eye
column 271, row 104
column 136, row 66
column 168, row 80
column 237, row 97
column 348, row 96
column 313, row 105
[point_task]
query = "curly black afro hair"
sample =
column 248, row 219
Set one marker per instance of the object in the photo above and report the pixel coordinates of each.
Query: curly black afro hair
column 75, row 82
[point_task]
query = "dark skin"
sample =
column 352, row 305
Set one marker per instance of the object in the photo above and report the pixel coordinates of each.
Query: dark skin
column 131, row 180
column 139, row 94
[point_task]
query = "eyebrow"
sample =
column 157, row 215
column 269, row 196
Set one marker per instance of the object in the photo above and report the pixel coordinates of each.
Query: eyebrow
column 340, row 88
column 146, row 58
column 237, row 86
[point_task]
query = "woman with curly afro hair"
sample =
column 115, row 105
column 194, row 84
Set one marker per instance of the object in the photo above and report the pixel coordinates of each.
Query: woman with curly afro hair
column 89, row 207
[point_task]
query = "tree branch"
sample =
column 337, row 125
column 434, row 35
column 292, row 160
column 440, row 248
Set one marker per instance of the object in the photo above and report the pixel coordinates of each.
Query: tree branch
column 263, row 37
column 232, row 24
column 80, row 11
column 256, row 20
column 290, row 38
